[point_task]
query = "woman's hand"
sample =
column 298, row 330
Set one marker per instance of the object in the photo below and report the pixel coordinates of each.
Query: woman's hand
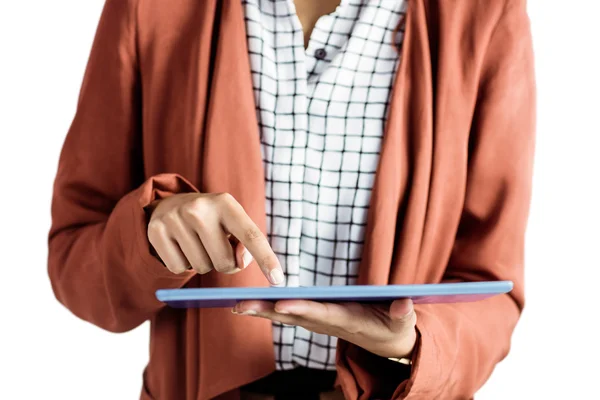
column 209, row 231
column 384, row 330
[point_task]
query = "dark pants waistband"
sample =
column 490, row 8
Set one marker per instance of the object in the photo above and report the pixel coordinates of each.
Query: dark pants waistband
column 299, row 383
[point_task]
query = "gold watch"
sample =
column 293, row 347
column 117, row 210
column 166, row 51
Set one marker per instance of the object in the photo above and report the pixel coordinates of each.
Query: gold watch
column 405, row 361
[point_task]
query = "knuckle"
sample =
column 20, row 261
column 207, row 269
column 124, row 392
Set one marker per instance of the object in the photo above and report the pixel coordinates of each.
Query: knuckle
column 156, row 228
column 193, row 207
column 155, row 224
column 197, row 211
column 177, row 270
column 228, row 203
column 225, row 198
column 268, row 262
column 225, row 265
column 252, row 234
column 408, row 319
column 170, row 218
column 202, row 268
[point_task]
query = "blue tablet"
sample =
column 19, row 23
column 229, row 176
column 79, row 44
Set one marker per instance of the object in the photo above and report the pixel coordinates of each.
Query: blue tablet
column 420, row 294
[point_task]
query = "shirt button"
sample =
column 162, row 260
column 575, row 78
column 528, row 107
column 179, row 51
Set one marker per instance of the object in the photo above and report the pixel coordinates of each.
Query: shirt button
column 320, row 54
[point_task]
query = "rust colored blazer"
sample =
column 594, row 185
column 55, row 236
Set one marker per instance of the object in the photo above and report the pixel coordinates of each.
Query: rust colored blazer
column 167, row 107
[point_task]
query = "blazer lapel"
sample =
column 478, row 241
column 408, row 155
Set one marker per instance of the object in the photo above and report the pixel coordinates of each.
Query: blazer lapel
column 237, row 348
column 399, row 197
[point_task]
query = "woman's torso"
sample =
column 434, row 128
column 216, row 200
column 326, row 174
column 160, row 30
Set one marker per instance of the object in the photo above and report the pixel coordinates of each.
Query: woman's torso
column 199, row 119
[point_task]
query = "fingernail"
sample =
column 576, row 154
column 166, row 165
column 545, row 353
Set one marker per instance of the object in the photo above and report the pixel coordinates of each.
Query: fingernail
column 237, row 311
column 276, row 276
column 246, row 258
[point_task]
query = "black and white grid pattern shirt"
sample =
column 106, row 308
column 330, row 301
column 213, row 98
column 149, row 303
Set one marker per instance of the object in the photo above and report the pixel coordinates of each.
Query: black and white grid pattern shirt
column 321, row 113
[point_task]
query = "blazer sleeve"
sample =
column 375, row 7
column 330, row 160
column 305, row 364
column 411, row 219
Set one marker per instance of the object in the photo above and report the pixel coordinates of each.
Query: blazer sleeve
column 460, row 344
column 99, row 260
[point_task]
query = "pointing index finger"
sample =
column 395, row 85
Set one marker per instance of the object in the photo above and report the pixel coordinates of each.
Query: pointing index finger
column 239, row 224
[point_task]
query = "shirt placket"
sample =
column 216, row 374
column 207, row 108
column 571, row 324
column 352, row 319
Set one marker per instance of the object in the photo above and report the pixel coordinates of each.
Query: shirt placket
column 295, row 174
column 314, row 54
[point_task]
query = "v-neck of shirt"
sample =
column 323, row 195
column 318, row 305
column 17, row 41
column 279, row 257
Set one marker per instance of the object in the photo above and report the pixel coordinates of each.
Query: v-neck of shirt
column 327, row 38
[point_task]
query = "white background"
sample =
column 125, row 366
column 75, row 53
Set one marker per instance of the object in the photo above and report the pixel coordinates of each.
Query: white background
column 45, row 352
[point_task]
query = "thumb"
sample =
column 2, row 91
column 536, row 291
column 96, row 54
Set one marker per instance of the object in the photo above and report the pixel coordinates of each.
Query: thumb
column 402, row 314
